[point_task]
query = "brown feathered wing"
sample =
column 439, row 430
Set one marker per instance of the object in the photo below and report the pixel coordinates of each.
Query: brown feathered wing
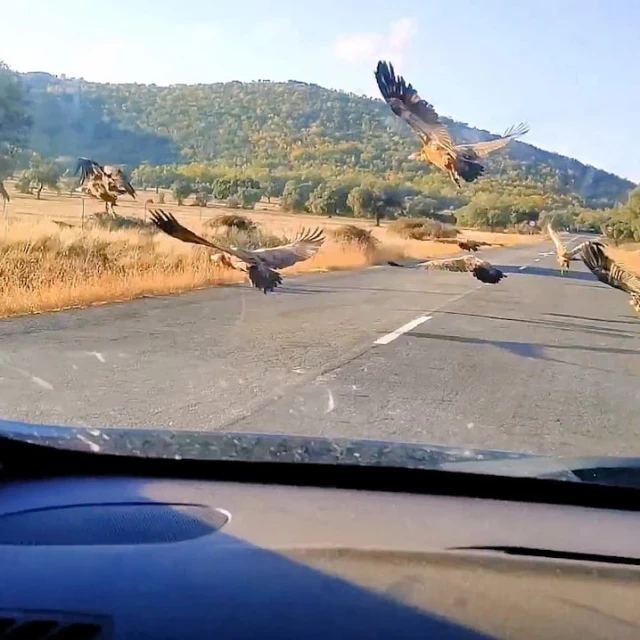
column 608, row 271
column 480, row 269
column 408, row 105
column 120, row 180
column 483, row 149
column 260, row 275
column 559, row 245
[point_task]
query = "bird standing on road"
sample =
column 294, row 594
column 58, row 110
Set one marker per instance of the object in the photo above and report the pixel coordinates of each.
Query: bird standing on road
column 261, row 265
column 481, row 269
column 461, row 161
column 611, row 273
column 564, row 256
column 105, row 183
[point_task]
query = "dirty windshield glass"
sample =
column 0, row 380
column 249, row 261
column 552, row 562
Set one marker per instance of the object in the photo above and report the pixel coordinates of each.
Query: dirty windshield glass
column 392, row 221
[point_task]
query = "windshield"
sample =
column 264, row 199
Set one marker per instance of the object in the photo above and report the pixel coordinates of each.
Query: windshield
column 407, row 223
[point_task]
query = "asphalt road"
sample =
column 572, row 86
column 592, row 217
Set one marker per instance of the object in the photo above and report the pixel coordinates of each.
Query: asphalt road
column 539, row 363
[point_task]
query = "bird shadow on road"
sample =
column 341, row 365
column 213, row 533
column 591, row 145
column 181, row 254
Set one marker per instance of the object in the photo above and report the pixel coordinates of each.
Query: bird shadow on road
column 317, row 289
column 588, row 319
column 531, row 350
column 297, row 290
column 545, row 271
column 559, row 325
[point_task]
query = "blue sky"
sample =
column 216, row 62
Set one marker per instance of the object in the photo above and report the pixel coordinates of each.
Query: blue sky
column 567, row 67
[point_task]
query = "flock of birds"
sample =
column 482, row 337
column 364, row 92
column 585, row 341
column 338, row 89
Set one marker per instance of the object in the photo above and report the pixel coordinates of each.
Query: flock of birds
column 458, row 161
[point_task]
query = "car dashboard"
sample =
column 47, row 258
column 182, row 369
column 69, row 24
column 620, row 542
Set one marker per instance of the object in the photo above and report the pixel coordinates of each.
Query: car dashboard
column 88, row 557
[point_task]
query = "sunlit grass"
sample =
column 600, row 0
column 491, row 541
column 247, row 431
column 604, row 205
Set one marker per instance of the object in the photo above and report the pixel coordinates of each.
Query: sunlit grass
column 628, row 256
column 55, row 260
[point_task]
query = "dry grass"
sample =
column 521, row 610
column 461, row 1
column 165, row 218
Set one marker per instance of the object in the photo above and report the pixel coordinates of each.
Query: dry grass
column 421, row 229
column 506, row 239
column 627, row 255
column 51, row 258
column 352, row 236
column 231, row 221
column 43, row 267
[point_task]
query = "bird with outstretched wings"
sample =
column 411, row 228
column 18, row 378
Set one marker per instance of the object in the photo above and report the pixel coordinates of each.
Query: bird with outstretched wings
column 610, row 272
column 480, row 269
column 408, row 105
column 467, row 244
column 564, row 256
column 459, row 162
column 483, row 149
column 261, row 265
column 114, row 177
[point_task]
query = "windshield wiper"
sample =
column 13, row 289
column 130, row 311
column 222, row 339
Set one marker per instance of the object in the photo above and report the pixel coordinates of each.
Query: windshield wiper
column 533, row 552
column 614, row 471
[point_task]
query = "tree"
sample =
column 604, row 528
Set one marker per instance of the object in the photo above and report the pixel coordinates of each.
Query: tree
column 15, row 123
column 221, row 188
column 43, row 173
column 146, row 176
column 485, row 211
column 322, row 201
column 203, row 193
column 421, row 207
column 249, row 197
column 272, row 188
column 388, row 202
column 361, row 201
column 275, row 132
column 181, row 190
column 295, row 195
column 23, row 184
column 68, row 184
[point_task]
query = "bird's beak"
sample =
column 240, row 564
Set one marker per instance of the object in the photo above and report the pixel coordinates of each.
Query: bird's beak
column 413, row 156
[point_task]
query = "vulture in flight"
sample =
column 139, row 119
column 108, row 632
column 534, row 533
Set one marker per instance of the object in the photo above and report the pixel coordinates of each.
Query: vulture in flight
column 563, row 255
column 468, row 244
column 481, row 269
column 104, row 182
column 458, row 161
column 261, row 265
column 611, row 273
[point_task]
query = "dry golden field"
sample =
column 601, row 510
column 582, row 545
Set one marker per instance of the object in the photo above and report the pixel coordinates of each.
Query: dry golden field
column 627, row 255
column 45, row 265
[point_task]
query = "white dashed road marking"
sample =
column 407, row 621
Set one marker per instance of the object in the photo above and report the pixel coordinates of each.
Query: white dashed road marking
column 390, row 337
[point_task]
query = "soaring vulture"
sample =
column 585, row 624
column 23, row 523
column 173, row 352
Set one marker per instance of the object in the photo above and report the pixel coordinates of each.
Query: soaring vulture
column 467, row 244
column 459, row 161
column 104, row 182
column 611, row 273
column 481, row 269
column 261, row 265
column 563, row 255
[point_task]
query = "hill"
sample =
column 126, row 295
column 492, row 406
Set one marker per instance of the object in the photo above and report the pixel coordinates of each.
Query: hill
column 269, row 126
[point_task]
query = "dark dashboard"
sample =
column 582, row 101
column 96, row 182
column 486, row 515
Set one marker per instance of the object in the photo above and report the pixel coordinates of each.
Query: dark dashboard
column 180, row 552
